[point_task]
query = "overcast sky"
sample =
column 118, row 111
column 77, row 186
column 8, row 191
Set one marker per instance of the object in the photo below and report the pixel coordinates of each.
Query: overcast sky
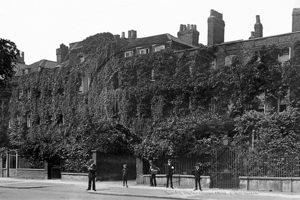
column 38, row 27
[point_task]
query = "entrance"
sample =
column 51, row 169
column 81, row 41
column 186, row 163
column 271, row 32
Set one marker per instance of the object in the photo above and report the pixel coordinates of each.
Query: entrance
column 225, row 169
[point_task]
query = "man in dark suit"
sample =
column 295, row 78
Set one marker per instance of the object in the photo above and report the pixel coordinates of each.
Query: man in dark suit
column 169, row 173
column 197, row 175
column 92, row 174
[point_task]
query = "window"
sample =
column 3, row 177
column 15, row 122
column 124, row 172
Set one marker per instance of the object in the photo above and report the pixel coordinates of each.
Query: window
column 28, row 120
column 144, row 51
column 285, row 55
column 116, row 80
column 128, row 54
column 228, row 59
column 20, row 94
column 85, row 83
column 159, row 48
column 80, row 90
column 60, row 119
column 152, row 75
column 81, row 58
column 9, row 124
column 213, row 64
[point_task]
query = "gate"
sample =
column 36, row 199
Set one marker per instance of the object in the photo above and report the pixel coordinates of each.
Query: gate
column 225, row 169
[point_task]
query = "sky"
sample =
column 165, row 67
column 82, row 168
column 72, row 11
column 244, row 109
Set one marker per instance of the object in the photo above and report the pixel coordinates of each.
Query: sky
column 38, row 27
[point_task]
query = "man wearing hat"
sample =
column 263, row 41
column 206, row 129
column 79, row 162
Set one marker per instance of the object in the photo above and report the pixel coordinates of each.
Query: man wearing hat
column 197, row 174
column 92, row 174
column 169, row 173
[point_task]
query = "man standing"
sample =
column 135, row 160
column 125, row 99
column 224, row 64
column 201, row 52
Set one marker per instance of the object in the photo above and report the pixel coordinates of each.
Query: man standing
column 92, row 174
column 197, row 174
column 153, row 171
column 169, row 173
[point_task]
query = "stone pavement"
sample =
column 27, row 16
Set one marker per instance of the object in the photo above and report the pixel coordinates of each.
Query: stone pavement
column 116, row 188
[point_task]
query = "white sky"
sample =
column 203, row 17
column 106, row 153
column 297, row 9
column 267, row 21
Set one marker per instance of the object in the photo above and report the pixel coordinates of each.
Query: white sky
column 38, row 27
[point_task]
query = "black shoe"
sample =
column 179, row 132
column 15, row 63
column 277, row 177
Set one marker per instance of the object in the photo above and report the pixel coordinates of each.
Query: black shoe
column 95, row 190
column 172, row 187
column 88, row 189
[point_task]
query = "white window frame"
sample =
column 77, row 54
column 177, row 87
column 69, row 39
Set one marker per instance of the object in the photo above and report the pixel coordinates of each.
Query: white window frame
column 144, row 51
column 159, row 48
column 128, row 54
column 283, row 58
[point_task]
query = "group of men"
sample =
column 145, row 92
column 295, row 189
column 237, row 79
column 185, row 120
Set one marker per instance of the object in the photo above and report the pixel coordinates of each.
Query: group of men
column 169, row 169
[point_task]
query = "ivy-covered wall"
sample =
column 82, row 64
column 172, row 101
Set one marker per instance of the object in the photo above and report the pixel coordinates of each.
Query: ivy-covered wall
column 129, row 103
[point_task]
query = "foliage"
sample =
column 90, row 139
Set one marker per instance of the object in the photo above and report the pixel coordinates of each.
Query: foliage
column 8, row 58
column 160, row 104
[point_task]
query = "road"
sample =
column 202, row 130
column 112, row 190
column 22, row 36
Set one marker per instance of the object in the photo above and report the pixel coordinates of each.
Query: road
column 58, row 192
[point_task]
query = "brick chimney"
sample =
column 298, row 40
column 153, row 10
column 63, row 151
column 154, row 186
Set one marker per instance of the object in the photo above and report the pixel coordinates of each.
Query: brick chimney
column 296, row 20
column 189, row 34
column 61, row 53
column 216, row 28
column 132, row 34
column 258, row 28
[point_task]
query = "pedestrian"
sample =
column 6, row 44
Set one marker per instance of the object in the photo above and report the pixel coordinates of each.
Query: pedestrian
column 197, row 175
column 169, row 173
column 125, row 175
column 92, row 169
column 153, row 171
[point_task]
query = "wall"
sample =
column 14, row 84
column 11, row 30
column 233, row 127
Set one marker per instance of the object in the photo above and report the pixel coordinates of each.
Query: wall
column 179, row 181
column 279, row 184
column 25, row 173
column 74, row 176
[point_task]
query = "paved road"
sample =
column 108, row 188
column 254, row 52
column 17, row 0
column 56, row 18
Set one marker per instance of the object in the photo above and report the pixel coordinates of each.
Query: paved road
column 57, row 192
column 20, row 189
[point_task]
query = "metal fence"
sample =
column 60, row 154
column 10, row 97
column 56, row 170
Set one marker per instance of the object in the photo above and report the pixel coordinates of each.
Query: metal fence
column 280, row 166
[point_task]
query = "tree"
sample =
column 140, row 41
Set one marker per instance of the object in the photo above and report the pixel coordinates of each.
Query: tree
column 8, row 57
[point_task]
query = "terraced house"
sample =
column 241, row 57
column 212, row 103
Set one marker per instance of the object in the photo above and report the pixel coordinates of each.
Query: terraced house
column 107, row 96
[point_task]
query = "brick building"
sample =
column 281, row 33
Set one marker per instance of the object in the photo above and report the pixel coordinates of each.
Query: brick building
column 74, row 55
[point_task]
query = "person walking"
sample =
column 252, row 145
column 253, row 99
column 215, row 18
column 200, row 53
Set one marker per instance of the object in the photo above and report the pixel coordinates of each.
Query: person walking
column 153, row 170
column 197, row 175
column 125, row 175
column 169, row 173
column 92, row 169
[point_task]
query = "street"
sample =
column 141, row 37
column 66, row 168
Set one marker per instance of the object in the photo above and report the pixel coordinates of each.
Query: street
column 57, row 191
column 29, row 189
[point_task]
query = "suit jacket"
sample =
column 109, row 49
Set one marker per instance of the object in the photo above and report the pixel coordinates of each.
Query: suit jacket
column 170, row 169
column 197, row 173
column 92, row 171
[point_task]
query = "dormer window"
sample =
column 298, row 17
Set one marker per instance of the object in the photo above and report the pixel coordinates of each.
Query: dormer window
column 128, row 54
column 144, row 51
column 159, row 48
column 285, row 55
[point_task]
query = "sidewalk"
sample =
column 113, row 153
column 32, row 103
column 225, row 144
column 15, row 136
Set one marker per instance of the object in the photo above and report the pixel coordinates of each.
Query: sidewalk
column 116, row 188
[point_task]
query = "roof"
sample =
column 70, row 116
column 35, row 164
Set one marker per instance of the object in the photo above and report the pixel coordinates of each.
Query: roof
column 48, row 64
column 156, row 39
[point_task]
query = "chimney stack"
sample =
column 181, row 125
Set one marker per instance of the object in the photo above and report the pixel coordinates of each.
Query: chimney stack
column 258, row 28
column 216, row 28
column 296, row 20
column 61, row 53
column 189, row 34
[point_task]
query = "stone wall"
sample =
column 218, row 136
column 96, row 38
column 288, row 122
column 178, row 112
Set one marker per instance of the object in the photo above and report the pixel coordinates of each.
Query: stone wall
column 278, row 184
column 179, row 181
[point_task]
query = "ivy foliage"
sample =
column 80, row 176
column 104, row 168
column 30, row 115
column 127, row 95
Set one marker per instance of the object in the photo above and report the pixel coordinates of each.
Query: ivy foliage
column 160, row 104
